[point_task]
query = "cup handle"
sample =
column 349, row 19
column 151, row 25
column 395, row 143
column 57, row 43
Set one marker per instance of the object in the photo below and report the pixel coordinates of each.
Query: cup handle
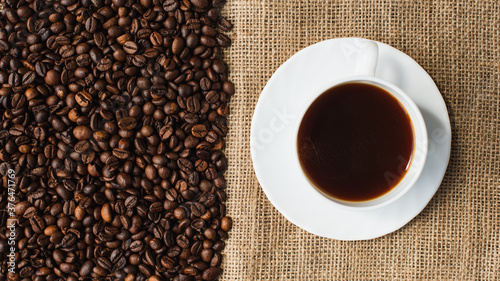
column 366, row 63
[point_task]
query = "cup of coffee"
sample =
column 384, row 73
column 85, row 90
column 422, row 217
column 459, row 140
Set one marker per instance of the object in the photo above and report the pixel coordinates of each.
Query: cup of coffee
column 361, row 141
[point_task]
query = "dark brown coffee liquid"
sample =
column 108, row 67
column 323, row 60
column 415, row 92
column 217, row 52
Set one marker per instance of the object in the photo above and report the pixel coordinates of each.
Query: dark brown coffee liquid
column 355, row 142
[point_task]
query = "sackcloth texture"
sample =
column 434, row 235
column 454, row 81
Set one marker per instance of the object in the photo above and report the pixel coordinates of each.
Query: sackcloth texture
column 457, row 236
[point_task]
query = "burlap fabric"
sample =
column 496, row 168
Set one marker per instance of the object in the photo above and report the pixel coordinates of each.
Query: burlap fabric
column 457, row 236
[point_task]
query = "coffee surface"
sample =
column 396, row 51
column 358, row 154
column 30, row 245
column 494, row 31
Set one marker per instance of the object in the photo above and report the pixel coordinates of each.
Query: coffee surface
column 355, row 142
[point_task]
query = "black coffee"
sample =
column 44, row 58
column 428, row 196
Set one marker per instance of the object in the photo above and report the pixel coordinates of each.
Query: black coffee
column 355, row 142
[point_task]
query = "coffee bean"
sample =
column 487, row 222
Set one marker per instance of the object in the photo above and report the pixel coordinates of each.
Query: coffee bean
column 212, row 75
column 123, row 38
column 185, row 90
column 201, row 4
column 41, row 69
column 223, row 40
column 116, row 254
column 120, row 263
column 4, row 46
column 156, row 207
column 130, row 47
column 14, row 79
column 58, row 125
column 16, row 130
column 166, row 132
column 99, row 271
column 83, row 60
column 226, row 223
column 68, row 240
column 199, row 131
column 150, row 53
column 156, row 39
column 228, row 88
column 67, row 267
column 125, row 221
column 105, row 263
column 26, row 272
column 52, row 78
column 124, row 180
column 136, row 246
column 170, row 5
column 67, row 51
column 127, row 123
column 131, row 202
column 83, row 99
column 158, row 90
column 82, row 132
column 178, row 45
column 18, row 101
column 30, row 212
column 99, row 39
column 86, row 268
column 28, row 78
column 198, row 225
column 193, row 104
column 185, row 165
column 104, row 64
column 223, row 24
column 139, row 60
column 91, row 24
column 61, row 40
column 211, row 273
column 182, row 241
column 107, row 213
column 208, row 41
column 206, row 84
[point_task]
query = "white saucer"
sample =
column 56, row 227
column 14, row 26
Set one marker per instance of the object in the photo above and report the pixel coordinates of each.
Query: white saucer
column 272, row 132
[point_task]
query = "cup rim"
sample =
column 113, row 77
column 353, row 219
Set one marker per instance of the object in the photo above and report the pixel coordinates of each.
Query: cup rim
column 419, row 154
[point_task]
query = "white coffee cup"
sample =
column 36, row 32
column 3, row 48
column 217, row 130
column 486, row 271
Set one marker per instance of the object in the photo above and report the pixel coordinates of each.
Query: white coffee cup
column 365, row 68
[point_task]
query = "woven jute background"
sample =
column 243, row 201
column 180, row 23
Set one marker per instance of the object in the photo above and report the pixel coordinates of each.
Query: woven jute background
column 457, row 236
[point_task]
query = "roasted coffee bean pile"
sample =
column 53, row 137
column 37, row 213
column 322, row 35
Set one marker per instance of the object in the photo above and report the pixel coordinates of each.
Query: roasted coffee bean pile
column 113, row 117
